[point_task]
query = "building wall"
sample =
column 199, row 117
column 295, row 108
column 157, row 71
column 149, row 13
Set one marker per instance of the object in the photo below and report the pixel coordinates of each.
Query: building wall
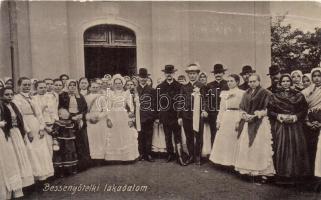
column 49, row 38
column 5, row 58
column 231, row 33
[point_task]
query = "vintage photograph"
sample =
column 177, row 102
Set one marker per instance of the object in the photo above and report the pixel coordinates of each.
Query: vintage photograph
column 160, row 100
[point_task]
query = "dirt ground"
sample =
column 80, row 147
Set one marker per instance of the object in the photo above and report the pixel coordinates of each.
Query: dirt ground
column 169, row 181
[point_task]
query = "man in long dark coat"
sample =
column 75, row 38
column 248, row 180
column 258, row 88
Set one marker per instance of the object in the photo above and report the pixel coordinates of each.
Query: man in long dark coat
column 147, row 115
column 214, row 89
column 167, row 91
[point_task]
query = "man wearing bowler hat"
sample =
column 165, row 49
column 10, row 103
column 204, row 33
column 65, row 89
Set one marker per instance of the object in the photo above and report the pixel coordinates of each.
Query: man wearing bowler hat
column 214, row 89
column 275, row 74
column 167, row 113
column 147, row 97
column 247, row 71
column 190, row 113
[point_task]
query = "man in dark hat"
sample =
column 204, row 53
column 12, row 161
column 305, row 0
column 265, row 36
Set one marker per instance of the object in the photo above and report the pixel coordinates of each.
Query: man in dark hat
column 190, row 116
column 147, row 97
column 214, row 89
column 247, row 71
column 275, row 74
column 167, row 113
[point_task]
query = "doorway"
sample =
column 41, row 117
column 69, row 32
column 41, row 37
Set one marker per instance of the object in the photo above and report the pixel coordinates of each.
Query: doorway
column 109, row 49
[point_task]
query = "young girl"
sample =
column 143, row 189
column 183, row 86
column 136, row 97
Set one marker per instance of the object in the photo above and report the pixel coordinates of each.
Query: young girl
column 65, row 158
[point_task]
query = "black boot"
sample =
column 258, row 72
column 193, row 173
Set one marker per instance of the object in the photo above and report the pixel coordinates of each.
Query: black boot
column 149, row 158
column 170, row 158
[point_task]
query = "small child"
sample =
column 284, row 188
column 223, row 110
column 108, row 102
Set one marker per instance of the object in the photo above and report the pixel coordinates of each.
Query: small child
column 65, row 157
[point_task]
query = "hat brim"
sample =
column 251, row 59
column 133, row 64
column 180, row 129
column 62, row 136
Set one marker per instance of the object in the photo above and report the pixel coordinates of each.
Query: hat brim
column 253, row 71
column 269, row 74
column 172, row 71
column 220, row 71
column 143, row 76
column 194, row 70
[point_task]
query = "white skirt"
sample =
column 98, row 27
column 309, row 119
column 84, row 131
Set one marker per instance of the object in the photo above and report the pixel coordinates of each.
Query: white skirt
column 122, row 143
column 22, row 156
column 226, row 142
column 257, row 159
column 9, row 169
column 38, row 151
column 97, row 134
column 317, row 169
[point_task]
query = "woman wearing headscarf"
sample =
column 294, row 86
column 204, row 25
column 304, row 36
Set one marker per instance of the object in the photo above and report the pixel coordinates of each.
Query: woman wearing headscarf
column 8, row 81
column 296, row 77
column 254, row 131
column 122, row 143
column 96, row 122
column 313, row 121
column 9, row 168
column 225, row 145
column 76, row 105
column 36, row 143
column 17, row 130
column 207, row 147
column 287, row 110
column 306, row 80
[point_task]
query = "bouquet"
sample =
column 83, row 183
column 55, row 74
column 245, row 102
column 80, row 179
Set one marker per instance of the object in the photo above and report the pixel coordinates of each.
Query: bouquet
column 55, row 145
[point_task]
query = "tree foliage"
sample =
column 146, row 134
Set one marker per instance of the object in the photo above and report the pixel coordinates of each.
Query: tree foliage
column 294, row 49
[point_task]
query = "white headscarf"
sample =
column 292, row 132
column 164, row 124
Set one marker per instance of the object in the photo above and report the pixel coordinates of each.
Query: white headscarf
column 118, row 76
column 314, row 70
column 299, row 72
column 308, row 75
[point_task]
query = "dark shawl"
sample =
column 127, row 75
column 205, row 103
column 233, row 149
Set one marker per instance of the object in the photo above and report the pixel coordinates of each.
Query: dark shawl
column 290, row 102
column 250, row 103
column 64, row 100
column 6, row 116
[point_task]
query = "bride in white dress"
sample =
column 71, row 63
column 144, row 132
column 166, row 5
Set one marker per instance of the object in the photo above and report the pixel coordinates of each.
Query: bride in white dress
column 122, row 143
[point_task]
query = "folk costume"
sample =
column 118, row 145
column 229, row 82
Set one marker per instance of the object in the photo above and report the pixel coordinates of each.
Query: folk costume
column 255, row 145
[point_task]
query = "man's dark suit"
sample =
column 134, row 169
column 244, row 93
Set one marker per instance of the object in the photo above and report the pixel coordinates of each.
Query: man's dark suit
column 194, row 139
column 167, row 113
column 147, row 117
column 214, row 89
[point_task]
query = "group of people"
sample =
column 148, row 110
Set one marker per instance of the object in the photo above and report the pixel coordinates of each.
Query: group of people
column 58, row 127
